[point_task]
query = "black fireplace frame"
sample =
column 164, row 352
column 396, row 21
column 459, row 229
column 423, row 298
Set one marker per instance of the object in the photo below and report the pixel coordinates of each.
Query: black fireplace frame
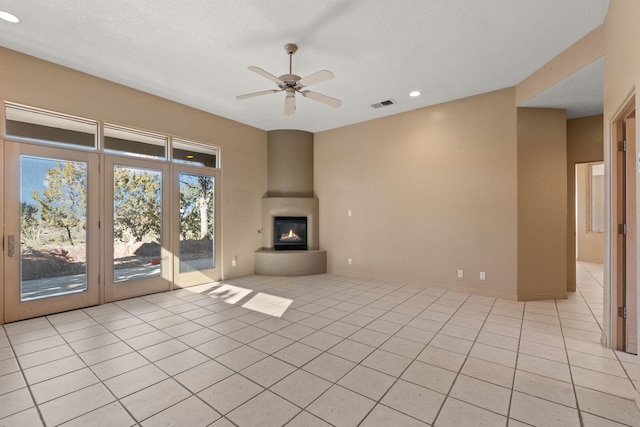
column 300, row 225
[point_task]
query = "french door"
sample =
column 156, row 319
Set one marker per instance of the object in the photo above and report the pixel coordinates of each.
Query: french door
column 137, row 218
column 83, row 228
column 196, row 228
column 51, row 220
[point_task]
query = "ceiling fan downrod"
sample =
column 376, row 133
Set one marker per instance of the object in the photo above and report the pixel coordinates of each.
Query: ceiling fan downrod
column 290, row 48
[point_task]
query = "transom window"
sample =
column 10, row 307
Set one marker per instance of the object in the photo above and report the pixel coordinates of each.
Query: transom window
column 46, row 126
column 194, row 153
column 42, row 126
column 132, row 142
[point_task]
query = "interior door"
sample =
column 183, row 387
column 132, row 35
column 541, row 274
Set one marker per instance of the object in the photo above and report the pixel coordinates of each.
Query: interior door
column 196, row 229
column 626, row 254
column 631, row 282
column 137, row 215
column 51, row 230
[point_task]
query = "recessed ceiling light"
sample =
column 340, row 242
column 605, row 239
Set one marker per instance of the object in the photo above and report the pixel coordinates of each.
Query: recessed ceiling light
column 8, row 17
column 414, row 93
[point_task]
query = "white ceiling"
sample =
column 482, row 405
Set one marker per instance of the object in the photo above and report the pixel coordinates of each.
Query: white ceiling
column 196, row 52
column 580, row 93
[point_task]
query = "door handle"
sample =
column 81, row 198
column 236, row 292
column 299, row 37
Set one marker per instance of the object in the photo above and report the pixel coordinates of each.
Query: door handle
column 11, row 245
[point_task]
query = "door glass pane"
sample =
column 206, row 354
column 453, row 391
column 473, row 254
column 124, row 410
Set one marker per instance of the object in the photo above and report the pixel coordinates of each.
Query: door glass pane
column 197, row 235
column 137, row 223
column 53, row 239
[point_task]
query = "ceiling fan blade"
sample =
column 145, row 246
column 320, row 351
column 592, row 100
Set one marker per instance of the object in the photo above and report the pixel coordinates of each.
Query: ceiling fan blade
column 251, row 95
column 333, row 102
column 289, row 105
column 266, row 74
column 314, row 78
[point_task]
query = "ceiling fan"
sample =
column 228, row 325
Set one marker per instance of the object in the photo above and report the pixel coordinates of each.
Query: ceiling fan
column 292, row 83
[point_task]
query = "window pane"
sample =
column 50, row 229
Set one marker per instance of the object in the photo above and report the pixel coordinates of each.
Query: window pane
column 134, row 143
column 197, row 237
column 196, row 154
column 596, row 197
column 137, row 223
column 38, row 125
column 53, row 215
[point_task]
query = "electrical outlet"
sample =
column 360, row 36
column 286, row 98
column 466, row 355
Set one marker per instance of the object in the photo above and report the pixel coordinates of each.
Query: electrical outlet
column 460, row 274
column 349, row 261
column 349, row 212
column 483, row 275
column 234, row 261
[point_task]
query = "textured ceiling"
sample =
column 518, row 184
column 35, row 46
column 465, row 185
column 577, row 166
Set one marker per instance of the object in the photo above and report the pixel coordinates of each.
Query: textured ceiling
column 581, row 93
column 196, row 52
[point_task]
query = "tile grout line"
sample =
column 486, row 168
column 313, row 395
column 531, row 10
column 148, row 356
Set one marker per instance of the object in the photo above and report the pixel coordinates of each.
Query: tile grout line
column 571, row 372
column 100, row 381
column 466, row 357
column 171, row 376
column 399, row 377
column 566, row 351
column 24, row 378
column 375, row 348
column 116, row 399
column 515, row 368
column 132, row 314
column 573, row 384
column 285, row 287
column 588, row 305
column 239, row 373
column 304, row 409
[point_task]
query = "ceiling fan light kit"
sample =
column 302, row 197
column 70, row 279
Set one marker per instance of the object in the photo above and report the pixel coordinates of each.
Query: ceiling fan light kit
column 292, row 83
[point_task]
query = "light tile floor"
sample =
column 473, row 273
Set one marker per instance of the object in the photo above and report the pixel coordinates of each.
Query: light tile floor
column 319, row 351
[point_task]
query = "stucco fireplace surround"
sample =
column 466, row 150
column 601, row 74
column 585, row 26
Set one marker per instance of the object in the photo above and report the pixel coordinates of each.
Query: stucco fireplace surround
column 290, row 194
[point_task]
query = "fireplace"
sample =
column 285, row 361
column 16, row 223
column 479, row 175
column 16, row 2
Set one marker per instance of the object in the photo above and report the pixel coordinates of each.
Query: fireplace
column 290, row 243
column 290, row 233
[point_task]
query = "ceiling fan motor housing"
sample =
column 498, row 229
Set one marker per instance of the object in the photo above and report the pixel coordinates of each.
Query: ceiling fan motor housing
column 289, row 81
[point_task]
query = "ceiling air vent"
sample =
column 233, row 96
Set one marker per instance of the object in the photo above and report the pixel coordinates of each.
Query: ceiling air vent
column 385, row 103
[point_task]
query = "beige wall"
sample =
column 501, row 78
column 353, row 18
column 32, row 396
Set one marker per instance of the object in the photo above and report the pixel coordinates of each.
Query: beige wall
column 38, row 83
column 290, row 160
column 621, row 78
column 584, row 144
column 474, row 184
column 431, row 191
column 542, row 203
column 588, row 245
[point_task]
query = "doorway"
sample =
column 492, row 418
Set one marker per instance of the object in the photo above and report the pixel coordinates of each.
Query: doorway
column 589, row 212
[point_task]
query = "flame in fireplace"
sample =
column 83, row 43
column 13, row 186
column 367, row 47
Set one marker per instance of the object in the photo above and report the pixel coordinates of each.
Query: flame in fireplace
column 290, row 236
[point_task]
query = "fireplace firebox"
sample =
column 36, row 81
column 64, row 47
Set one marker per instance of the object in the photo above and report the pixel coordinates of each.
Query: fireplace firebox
column 290, row 233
